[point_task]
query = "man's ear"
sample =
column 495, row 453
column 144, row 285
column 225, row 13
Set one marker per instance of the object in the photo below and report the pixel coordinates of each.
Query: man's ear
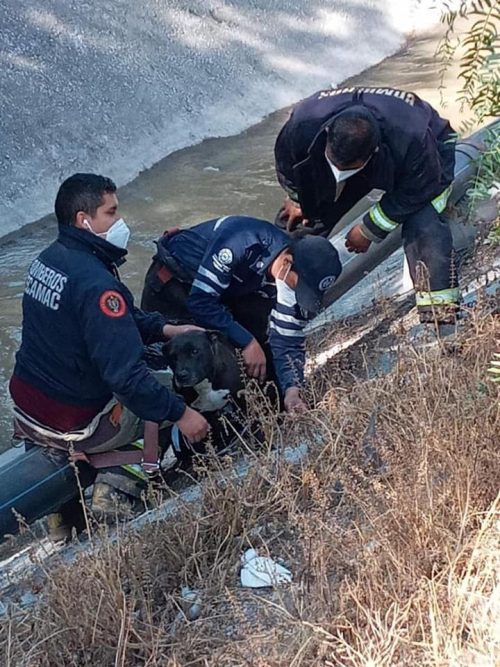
column 281, row 264
column 288, row 259
column 79, row 218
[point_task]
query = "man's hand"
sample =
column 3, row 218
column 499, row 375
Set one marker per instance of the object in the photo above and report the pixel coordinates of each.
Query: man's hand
column 356, row 241
column 193, row 425
column 254, row 360
column 292, row 214
column 293, row 401
column 171, row 330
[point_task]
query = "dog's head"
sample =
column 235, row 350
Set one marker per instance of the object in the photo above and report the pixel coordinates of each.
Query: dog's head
column 191, row 357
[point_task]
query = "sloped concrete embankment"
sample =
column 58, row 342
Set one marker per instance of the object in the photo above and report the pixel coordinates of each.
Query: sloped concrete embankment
column 116, row 86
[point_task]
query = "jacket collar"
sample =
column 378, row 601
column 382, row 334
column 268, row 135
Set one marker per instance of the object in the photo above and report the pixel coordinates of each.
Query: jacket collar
column 81, row 239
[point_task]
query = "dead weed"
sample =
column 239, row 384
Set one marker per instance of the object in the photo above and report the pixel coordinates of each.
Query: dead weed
column 394, row 558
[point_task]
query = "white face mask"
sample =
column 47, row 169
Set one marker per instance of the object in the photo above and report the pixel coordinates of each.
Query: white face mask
column 118, row 234
column 286, row 295
column 343, row 174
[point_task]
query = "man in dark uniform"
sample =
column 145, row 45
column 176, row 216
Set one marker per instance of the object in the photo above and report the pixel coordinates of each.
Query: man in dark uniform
column 83, row 338
column 248, row 279
column 340, row 144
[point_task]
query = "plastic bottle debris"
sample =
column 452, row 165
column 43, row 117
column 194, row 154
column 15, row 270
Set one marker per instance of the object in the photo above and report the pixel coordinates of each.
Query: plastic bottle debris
column 190, row 610
column 169, row 460
column 262, row 571
column 28, row 599
column 191, row 603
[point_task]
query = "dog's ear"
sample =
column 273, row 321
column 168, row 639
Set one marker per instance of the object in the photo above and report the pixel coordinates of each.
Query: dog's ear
column 213, row 335
column 166, row 350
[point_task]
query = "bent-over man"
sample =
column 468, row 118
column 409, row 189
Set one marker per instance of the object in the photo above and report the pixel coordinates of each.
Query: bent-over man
column 340, row 144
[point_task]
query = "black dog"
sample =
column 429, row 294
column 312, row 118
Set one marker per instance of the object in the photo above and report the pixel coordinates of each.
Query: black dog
column 207, row 374
column 203, row 355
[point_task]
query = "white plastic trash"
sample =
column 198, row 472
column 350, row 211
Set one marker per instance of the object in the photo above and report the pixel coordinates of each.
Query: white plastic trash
column 261, row 571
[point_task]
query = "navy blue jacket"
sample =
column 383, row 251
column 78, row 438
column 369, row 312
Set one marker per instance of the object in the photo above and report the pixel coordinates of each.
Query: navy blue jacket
column 230, row 256
column 414, row 163
column 82, row 336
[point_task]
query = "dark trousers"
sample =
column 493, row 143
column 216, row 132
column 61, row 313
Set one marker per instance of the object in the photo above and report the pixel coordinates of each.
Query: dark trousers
column 168, row 298
column 427, row 241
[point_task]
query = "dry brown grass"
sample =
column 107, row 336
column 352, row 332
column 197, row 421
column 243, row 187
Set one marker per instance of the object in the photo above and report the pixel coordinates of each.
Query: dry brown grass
column 401, row 569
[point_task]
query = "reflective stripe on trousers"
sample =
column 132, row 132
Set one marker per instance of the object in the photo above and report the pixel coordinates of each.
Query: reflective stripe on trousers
column 442, row 297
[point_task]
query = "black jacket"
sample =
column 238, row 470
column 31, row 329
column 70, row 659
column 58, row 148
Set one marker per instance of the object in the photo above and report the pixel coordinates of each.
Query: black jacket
column 230, row 256
column 413, row 165
column 82, row 336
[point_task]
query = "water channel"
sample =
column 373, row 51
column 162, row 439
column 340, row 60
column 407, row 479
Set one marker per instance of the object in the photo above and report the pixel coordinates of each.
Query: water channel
column 220, row 176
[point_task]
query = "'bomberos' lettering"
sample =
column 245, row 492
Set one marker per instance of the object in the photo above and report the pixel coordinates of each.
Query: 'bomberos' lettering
column 45, row 285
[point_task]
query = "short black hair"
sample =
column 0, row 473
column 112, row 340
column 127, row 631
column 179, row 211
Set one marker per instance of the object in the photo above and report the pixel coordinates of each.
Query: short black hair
column 81, row 192
column 352, row 136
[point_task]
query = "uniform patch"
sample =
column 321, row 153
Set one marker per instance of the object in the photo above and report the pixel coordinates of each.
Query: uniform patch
column 326, row 283
column 112, row 304
column 225, row 256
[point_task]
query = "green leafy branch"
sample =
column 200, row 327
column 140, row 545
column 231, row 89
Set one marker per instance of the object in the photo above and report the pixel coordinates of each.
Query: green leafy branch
column 478, row 53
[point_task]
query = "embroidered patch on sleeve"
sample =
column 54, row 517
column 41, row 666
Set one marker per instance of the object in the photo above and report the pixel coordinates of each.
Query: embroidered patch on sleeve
column 225, row 256
column 223, row 259
column 112, row 303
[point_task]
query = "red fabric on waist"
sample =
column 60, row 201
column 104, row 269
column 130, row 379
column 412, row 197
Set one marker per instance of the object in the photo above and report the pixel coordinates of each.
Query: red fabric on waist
column 48, row 411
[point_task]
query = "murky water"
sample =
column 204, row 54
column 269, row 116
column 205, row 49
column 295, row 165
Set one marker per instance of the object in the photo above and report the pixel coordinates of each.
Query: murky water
column 232, row 175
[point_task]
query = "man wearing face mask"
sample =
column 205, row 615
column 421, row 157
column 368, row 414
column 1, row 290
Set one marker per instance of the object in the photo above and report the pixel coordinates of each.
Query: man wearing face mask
column 340, row 144
column 246, row 278
column 82, row 337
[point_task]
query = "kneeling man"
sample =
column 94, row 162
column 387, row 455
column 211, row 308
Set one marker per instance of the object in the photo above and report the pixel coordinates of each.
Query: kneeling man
column 251, row 281
column 83, row 338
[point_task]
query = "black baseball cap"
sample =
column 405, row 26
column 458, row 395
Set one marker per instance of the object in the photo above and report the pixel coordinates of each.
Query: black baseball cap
column 317, row 264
